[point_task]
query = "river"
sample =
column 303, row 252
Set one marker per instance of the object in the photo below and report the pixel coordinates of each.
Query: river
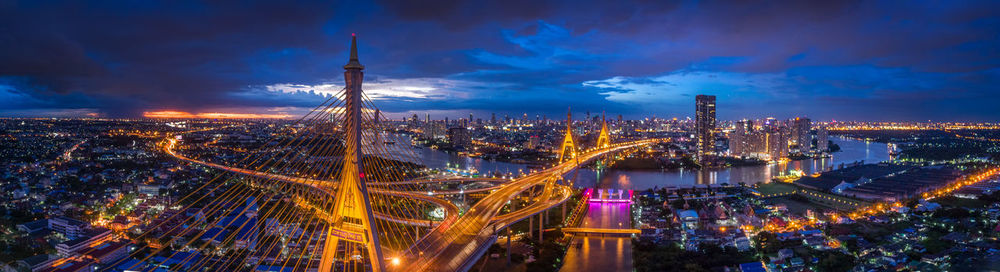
column 850, row 151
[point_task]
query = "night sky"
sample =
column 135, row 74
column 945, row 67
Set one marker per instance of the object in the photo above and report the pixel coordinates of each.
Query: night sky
column 872, row 60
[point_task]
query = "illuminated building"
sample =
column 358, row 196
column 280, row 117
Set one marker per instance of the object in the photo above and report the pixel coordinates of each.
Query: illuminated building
column 822, row 139
column 800, row 134
column 704, row 124
column 777, row 143
column 533, row 142
column 68, row 227
column 740, row 138
column 459, row 137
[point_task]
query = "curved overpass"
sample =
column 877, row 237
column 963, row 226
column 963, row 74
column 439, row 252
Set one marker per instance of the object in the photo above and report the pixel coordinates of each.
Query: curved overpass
column 448, row 248
column 326, row 186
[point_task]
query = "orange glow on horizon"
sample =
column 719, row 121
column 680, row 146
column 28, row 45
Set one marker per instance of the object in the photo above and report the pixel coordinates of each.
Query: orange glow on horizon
column 212, row 115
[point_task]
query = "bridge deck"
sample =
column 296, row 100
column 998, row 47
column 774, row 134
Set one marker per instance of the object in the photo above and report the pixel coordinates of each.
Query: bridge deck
column 600, row 230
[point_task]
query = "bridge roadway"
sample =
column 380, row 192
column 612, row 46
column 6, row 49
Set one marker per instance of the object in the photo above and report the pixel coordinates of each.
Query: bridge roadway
column 600, row 231
column 449, row 248
column 325, row 186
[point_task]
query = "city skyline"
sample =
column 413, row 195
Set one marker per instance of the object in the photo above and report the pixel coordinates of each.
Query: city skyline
column 345, row 188
column 844, row 61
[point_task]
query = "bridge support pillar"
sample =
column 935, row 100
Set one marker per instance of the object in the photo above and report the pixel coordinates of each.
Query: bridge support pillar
column 531, row 226
column 564, row 215
column 508, row 245
column 541, row 228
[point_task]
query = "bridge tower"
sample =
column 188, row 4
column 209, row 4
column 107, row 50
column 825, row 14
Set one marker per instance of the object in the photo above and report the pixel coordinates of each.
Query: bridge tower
column 352, row 219
column 568, row 140
column 604, row 138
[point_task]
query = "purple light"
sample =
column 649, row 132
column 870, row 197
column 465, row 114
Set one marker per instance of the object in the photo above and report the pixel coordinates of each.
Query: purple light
column 598, row 200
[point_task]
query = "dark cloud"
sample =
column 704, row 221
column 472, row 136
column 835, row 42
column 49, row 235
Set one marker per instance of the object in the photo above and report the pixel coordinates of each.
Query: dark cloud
column 833, row 57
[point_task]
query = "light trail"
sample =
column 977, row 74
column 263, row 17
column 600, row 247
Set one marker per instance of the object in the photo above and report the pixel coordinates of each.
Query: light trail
column 326, row 186
column 448, row 247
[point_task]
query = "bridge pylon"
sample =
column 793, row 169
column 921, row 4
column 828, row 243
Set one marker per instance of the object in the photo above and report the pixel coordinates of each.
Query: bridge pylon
column 568, row 143
column 604, row 138
column 352, row 219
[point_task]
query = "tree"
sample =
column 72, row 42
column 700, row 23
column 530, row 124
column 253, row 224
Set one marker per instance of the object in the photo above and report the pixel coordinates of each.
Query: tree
column 835, row 261
column 767, row 242
column 694, row 268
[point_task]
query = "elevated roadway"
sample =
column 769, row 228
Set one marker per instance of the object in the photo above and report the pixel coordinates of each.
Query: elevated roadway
column 450, row 248
column 326, row 186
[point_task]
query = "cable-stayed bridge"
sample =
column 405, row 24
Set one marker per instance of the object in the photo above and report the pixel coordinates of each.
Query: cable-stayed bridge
column 329, row 195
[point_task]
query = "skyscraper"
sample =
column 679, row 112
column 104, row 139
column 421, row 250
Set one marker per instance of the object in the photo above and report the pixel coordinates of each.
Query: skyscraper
column 459, row 137
column 822, row 139
column 800, row 134
column 739, row 140
column 704, row 124
column 777, row 143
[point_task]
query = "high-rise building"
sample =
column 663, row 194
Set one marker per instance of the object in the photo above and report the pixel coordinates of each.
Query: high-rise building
column 493, row 118
column 704, row 125
column 800, row 134
column 769, row 142
column 739, row 140
column 533, row 142
column 822, row 139
column 777, row 143
column 459, row 137
column 434, row 130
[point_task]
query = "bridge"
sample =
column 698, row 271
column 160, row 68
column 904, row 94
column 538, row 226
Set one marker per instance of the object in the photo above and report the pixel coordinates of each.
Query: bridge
column 600, row 231
column 329, row 195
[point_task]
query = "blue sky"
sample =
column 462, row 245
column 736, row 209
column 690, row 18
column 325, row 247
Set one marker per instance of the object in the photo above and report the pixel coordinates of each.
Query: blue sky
column 843, row 60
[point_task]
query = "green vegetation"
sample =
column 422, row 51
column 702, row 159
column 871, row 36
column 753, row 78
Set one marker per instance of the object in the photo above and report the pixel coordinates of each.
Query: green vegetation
column 776, row 188
column 768, row 243
column 833, row 260
column 838, row 202
column 549, row 254
column 982, row 201
column 743, row 162
column 936, row 145
column 633, row 163
column 952, row 201
column 650, row 256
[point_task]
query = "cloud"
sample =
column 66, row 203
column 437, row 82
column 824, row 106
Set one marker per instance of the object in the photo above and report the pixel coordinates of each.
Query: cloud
column 681, row 86
column 406, row 89
column 839, row 92
column 836, row 58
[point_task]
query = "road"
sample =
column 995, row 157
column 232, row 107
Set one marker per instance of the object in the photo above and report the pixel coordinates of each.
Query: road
column 327, row 186
column 448, row 248
column 456, row 239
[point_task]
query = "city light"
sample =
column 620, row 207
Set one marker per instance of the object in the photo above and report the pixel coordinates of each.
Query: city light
column 211, row 115
column 500, row 136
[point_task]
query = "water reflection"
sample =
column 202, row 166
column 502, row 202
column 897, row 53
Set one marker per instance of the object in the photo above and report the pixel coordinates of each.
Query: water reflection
column 434, row 158
column 851, row 151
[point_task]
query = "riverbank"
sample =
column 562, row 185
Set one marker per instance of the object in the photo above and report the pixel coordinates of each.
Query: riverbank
column 851, row 151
